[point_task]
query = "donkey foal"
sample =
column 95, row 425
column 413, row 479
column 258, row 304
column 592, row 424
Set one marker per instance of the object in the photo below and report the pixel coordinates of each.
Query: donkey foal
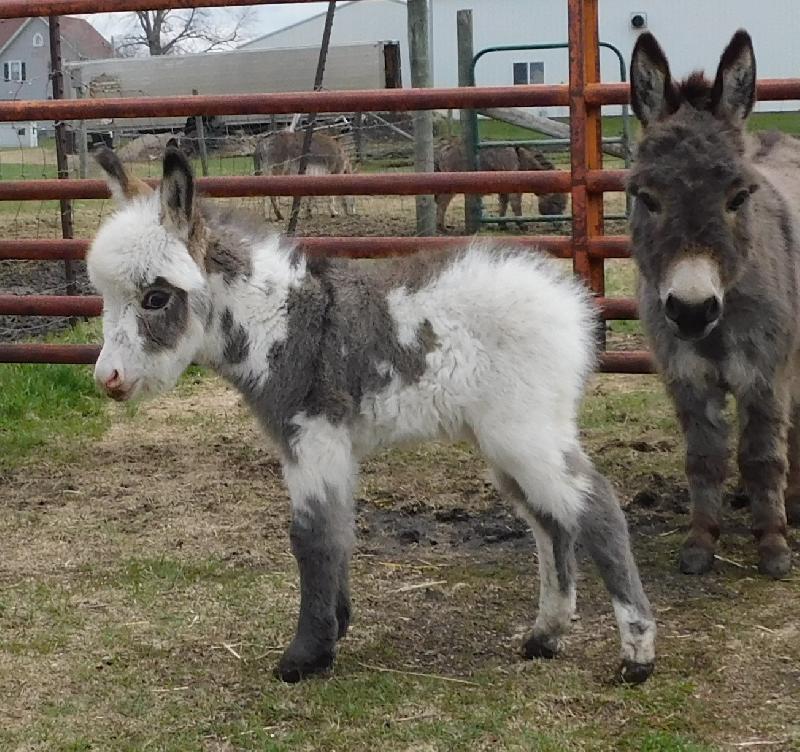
column 337, row 359
column 715, row 235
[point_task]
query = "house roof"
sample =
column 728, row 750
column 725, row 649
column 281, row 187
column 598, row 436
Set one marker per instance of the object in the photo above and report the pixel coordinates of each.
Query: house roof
column 78, row 33
column 86, row 40
column 339, row 8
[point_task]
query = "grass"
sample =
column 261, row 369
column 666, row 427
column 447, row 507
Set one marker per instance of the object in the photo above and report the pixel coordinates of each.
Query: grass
column 43, row 407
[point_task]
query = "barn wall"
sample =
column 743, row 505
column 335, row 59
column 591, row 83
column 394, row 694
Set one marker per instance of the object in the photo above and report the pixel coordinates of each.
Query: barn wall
column 363, row 21
column 693, row 32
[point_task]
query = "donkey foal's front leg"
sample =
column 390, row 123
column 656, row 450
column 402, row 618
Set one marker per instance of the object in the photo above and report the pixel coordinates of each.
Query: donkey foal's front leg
column 322, row 541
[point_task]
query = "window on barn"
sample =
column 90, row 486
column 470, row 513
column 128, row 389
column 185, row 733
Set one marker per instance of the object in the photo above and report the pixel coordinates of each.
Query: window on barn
column 14, row 70
column 528, row 73
column 38, row 40
column 520, row 73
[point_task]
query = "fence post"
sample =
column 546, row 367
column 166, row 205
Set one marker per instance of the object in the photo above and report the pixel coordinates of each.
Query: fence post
column 472, row 202
column 419, row 52
column 57, row 77
column 586, row 139
column 83, row 141
column 201, row 139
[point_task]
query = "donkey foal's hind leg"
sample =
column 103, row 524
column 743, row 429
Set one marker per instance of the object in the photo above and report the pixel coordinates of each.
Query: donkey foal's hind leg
column 555, row 549
column 793, row 479
column 604, row 534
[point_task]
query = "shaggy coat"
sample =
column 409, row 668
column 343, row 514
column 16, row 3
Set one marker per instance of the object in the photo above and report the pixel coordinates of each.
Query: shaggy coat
column 337, row 359
column 715, row 235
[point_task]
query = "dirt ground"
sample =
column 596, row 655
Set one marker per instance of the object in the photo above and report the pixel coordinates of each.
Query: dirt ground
column 146, row 589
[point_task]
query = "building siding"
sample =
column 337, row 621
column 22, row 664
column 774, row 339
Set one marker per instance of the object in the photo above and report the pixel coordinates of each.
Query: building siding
column 362, row 21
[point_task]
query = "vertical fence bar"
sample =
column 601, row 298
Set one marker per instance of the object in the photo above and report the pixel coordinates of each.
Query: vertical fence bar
column 57, row 77
column 586, row 139
column 202, row 149
column 421, row 77
column 469, row 119
column 312, row 116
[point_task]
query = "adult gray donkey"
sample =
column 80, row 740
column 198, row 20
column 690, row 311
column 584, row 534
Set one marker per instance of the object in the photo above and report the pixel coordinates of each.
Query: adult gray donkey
column 716, row 239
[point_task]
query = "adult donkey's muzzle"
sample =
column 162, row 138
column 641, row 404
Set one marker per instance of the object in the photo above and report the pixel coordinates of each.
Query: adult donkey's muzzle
column 692, row 295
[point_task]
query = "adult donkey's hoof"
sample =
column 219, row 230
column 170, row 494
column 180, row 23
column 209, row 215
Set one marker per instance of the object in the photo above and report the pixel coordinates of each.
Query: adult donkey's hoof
column 695, row 558
column 774, row 557
column 631, row 672
column 298, row 662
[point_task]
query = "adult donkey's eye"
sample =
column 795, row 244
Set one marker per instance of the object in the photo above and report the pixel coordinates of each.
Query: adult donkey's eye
column 738, row 200
column 155, row 299
column 649, row 202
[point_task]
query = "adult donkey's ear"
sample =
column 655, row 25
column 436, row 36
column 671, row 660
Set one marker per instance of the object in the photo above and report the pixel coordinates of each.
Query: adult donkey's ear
column 653, row 94
column 123, row 186
column 734, row 92
column 177, row 193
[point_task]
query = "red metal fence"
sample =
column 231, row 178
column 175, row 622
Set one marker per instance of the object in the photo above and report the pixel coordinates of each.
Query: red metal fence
column 588, row 246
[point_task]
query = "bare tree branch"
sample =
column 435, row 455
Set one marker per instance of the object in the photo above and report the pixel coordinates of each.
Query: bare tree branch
column 170, row 32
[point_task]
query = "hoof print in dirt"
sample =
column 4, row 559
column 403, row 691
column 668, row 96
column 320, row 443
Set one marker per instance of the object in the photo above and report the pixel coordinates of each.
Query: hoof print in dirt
column 540, row 647
column 631, row 672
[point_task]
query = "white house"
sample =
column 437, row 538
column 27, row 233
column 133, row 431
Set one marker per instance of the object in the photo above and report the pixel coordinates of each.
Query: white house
column 693, row 33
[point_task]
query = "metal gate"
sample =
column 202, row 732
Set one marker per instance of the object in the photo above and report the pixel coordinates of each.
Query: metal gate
column 587, row 245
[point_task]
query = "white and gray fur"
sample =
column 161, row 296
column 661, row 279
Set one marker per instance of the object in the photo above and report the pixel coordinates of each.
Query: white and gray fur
column 337, row 359
column 715, row 235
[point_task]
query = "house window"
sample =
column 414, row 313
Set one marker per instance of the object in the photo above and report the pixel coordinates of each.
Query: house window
column 528, row 73
column 38, row 40
column 14, row 70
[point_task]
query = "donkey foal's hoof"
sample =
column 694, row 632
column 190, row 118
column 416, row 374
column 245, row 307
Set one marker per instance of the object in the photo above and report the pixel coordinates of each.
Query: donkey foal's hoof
column 631, row 672
column 775, row 558
column 540, row 646
column 295, row 665
column 695, row 559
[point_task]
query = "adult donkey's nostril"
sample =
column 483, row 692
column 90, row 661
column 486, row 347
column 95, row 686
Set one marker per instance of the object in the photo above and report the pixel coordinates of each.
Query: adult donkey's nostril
column 672, row 308
column 713, row 308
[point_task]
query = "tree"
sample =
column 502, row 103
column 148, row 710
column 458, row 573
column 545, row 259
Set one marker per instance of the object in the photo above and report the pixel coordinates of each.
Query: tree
column 170, row 32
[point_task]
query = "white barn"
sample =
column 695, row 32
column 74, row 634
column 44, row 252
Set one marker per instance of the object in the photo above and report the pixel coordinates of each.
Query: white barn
column 693, row 33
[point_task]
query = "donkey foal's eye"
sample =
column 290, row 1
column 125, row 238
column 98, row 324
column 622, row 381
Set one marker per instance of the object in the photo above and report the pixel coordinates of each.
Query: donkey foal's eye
column 738, row 200
column 155, row 299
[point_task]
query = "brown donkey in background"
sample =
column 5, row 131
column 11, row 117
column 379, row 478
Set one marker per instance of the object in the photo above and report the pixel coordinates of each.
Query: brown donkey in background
column 716, row 239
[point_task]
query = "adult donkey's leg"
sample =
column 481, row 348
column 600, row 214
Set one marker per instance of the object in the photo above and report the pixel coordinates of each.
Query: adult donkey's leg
column 700, row 412
column 320, row 478
column 793, row 479
column 764, row 425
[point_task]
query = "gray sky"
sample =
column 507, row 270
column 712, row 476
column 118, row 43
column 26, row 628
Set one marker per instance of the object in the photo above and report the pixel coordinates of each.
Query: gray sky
column 265, row 18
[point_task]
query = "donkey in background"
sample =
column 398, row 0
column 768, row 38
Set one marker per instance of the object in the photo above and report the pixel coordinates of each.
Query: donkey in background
column 716, row 238
column 451, row 157
column 280, row 153
column 337, row 359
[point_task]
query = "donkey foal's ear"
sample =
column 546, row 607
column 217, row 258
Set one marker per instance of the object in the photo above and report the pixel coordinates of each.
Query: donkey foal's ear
column 123, row 187
column 734, row 92
column 177, row 193
column 652, row 93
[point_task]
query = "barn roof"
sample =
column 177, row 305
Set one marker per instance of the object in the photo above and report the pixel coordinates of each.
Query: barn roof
column 294, row 25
